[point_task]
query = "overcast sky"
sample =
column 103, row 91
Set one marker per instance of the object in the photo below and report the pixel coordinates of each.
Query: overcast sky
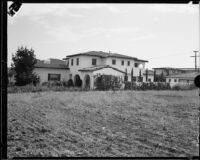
column 164, row 34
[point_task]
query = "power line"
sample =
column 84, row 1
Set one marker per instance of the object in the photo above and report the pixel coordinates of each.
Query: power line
column 195, row 59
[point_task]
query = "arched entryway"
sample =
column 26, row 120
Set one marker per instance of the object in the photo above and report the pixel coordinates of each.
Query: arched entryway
column 77, row 81
column 87, row 81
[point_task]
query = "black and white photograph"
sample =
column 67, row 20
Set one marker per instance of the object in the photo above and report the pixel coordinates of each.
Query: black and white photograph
column 103, row 79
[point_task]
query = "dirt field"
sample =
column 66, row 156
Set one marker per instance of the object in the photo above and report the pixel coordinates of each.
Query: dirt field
column 124, row 123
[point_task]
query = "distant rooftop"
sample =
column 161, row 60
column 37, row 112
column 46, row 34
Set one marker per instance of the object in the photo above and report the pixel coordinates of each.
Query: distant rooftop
column 51, row 63
column 105, row 55
column 185, row 75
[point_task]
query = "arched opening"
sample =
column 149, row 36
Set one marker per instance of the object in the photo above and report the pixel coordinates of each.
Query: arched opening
column 87, row 81
column 77, row 81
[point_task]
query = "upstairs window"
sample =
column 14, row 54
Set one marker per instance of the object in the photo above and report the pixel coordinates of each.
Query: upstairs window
column 77, row 61
column 114, row 61
column 53, row 77
column 72, row 62
column 136, row 65
column 128, row 63
column 122, row 62
column 169, row 80
column 94, row 61
column 175, row 80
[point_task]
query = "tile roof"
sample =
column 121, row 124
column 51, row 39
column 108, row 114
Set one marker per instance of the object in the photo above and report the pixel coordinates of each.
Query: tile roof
column 105, row 55
column 185, row 75
column 95, row 68
column 51, row 63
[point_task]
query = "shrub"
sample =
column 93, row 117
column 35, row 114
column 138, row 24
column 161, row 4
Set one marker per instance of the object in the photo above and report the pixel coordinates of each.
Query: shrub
column 184, row 87
column 65, row 83
column 45, row 83
column 106, row 82
column 147, row 86
column 70, row 83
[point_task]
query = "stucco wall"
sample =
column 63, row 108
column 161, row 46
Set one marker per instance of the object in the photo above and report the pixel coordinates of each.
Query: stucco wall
column 108, row 71
column 149, row 77
column 43, row 73
column 178, row 81
column 121, row 67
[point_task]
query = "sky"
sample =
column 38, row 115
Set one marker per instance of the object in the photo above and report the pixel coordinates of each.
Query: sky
column 164, row 34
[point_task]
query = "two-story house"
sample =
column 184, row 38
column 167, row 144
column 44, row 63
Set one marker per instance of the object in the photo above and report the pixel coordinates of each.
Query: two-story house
column 89, row 64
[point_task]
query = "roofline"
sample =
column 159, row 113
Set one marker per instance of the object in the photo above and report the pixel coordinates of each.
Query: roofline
column 52, row 67
column 85, row 54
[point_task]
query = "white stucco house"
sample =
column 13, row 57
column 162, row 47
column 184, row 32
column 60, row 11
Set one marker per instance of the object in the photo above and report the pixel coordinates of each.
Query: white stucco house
column 181, row 79
column 88, row 65
column 52, row 70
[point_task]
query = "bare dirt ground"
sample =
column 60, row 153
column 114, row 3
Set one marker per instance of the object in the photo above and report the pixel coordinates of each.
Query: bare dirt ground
column 103, row 123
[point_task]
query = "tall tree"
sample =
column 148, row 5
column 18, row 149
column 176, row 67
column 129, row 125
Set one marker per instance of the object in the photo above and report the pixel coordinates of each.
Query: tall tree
column 23, row 64
column 126, row 76
column 146, row 75
column 154, row 75
column 132, row 78
column 140, row 76
column 132, row 75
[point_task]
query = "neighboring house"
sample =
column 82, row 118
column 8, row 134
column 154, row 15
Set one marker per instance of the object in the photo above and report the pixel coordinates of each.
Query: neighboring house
column 52, row 70
column 148, row 77
column 167, row 71
column 88, row 65
column 182, row 79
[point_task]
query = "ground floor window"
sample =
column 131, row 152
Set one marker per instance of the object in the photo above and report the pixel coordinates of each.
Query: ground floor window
column 53, row 77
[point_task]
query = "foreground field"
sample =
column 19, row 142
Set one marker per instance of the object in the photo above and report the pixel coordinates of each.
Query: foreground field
column 124, row 123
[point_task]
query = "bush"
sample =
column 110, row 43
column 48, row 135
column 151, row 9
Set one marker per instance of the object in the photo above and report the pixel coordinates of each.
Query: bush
column 184, row 87
column 70, row 83
column 106, row 82
column 65, row 83
column 147, row 86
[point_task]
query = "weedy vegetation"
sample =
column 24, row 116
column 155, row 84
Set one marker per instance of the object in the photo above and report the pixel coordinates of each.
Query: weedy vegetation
column 103, row 123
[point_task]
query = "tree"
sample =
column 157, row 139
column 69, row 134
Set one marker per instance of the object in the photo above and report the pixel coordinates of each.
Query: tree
column 154, row 76
column 140, row 76
column 126, row 76
column 23, row 64
column 146, row 75
column 132, row 78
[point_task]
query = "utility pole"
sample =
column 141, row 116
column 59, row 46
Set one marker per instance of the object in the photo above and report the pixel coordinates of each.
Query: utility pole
column 195, row 59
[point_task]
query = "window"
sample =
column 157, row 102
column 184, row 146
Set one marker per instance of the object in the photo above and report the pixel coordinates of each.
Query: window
column 128, row 63
column 175, row 80
column 113, row 61
column 53, row 77
column 94, row 61
column 122, row 62
column 77, row 61
column 169, row 80
column 72, row 62
column 136, row 65
column 149, row 79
